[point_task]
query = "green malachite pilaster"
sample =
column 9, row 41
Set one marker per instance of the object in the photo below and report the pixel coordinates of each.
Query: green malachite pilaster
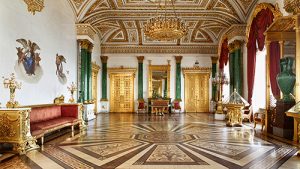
column 214, row 61
column 178, row 77
column 140, row 78
column 89, row 73
column 231, row 71
column 104, row 78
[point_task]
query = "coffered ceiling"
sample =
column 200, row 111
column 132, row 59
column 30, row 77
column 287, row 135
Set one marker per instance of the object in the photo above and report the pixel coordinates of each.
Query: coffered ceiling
column 120, row 22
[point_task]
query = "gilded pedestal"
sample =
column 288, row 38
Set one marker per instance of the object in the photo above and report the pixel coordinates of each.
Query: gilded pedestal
column 15, row 129
column 234, row 115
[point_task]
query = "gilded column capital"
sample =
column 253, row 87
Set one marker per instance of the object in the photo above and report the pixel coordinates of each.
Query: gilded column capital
column 214, row 59
column 140, row 59
column 292, row 6
column 237, row 44
column 104, row 59
column 84, row 44
column 178, row 59
column 231, row 47
column 90, row 48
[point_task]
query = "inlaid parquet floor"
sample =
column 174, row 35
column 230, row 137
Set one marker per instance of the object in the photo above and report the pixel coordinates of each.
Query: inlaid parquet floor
column 144, row 142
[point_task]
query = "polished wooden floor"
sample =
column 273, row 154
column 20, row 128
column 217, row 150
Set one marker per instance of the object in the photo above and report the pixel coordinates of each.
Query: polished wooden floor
column 139, row 141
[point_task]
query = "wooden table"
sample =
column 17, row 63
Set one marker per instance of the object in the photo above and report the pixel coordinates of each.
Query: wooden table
column 296, row 116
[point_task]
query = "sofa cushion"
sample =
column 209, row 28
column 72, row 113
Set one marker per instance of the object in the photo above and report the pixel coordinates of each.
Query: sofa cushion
column 34, row 126
column 56, row 122
column 39, row 114
column 69, row 111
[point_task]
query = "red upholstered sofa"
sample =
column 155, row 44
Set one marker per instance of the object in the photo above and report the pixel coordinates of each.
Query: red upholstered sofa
column 50, row 117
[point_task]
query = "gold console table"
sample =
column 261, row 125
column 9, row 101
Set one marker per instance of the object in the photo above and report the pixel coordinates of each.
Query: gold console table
column 15, row 129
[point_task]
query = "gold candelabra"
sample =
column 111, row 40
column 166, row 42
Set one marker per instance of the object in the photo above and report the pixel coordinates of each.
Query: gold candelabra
column 12, row 85
column 72, row 88
column 220, row 80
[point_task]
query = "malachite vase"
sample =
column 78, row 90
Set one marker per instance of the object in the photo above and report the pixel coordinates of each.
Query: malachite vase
column 286, row 78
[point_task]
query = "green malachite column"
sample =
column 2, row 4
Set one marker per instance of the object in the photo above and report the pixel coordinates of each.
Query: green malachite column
column 104, row 78
column 89, row 73
column 214, row 61
column 140, row 78
column 84, row 70
column 178, row 78
column 231, row 67
column 238, row 69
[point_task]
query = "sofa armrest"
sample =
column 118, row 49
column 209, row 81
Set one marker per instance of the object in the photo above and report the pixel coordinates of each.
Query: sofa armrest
column 69, row 110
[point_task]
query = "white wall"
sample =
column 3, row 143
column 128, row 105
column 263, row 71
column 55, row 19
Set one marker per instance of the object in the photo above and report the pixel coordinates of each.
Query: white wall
column 130, row 60
column 53, row 30
column 96, row 53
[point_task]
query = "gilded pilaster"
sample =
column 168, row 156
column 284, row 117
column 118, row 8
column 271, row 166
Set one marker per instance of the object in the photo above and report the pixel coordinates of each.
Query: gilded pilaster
column 140, row 78
column 297, row 58
column 104, row 77
column 178, row 77
column 267, row 83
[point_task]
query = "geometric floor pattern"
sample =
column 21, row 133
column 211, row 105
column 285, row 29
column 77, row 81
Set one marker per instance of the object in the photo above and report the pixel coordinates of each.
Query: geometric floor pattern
column 145, row 142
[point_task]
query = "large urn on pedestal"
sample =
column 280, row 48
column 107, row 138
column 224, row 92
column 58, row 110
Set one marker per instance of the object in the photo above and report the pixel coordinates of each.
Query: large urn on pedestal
column 286, row 78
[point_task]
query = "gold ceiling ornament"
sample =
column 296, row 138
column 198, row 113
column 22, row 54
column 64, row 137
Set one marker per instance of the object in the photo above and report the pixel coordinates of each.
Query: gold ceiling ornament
column 165, row 26
column 34, row 5
column 292, row 6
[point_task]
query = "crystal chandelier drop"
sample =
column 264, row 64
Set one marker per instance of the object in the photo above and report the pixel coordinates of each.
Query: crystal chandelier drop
column 165, row 27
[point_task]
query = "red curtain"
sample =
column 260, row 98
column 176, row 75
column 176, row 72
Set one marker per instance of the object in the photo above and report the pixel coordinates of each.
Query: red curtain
column 274, row 67
column 223, row 60
column 256, row 35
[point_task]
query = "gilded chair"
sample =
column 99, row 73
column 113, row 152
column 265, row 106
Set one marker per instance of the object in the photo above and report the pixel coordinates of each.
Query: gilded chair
column 142, row 107
column 176, row 106
column 247, row 113
column 259, row 117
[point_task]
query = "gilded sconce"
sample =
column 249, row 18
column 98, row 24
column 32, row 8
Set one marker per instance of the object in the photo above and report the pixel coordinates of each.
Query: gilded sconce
column 34, row 5
column 72, row 88
column 12, row 85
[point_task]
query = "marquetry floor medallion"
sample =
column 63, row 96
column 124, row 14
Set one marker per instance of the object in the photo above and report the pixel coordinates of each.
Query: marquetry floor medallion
column 177, row 141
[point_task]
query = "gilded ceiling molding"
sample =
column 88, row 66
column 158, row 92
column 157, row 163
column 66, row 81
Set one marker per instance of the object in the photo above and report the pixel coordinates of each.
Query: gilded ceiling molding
column 292, row 6
column 85, row 31
column 236, row 30
column 275, row 10
column 211, row 49
column 34, row 5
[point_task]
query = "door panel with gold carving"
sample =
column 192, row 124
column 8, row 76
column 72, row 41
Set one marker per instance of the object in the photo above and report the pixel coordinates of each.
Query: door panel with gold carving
column 196, row 92
column 121, row 92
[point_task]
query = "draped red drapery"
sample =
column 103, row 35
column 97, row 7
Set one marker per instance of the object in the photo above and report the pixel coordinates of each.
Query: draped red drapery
column 256, row 36
column 274, row 67
column 223, row 60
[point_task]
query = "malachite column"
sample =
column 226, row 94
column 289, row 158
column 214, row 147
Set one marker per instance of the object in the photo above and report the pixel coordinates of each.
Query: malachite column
column 89, row 73
column 104, row 77
column 214, row 61
column 231, row 67
column 238, row 69
column 178, row 78
column 140, row 78
column 84, row 45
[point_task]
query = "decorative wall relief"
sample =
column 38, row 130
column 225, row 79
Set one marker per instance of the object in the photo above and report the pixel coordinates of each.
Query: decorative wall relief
column 60, row 59
column 28, row 66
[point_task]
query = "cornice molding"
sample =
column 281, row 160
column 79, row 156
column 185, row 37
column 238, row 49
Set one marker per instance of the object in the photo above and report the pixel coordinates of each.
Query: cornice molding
column 161, row 49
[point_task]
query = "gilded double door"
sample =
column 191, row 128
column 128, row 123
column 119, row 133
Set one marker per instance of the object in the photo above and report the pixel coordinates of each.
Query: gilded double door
column 197, row 92
column 121, row 92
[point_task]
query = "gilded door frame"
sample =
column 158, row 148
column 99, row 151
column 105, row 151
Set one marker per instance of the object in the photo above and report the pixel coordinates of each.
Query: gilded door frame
column 196, row 70
column 122, row 70
column 95, row 72
column 159, row 68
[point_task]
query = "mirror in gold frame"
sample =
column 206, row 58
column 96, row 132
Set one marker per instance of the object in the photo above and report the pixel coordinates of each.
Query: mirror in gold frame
column 159, row 81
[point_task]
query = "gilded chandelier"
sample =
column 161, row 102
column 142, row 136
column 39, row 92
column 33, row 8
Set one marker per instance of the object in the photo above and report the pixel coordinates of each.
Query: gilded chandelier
column 164, row 27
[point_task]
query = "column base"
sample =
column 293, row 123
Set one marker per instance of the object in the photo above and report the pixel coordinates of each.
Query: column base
column 219, row 116
column 104, row 107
